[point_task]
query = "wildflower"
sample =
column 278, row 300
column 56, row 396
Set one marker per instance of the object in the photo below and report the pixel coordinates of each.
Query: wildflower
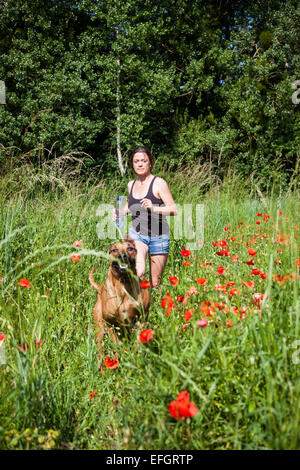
column 173, row 280
column 249, row 284
column 223, row 253
column 39, row 343
column 298, row 263
column 251, row 252
column 77, row 243
column 202, row 323
column 201, row 281
column 145, row 284
column 2, row 336
column 180, row 298
column 234, row 258
column 182, row 407
column 220, row 270
column 185, row 253
column 192, row 290
column 229, row 324
column 23, row 347
column 1, row 280
column 111, row 363
column 93, row 393
column 168, row 302
column 24, row 283
column 250, row 262
column 255, row 272
column 75, row 258
column 259, row 214
column 146, row 336
column 186, row 263
column 220, row 243
column 188, row 314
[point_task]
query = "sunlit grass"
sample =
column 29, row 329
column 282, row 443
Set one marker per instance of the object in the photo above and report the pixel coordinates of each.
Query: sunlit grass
column 244, row 379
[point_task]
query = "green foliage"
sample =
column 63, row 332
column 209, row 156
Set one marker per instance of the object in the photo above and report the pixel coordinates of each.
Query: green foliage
column 243, row 379
column 192, row 80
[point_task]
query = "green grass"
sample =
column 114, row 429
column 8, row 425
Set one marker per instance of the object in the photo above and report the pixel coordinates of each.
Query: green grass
column 244, row 379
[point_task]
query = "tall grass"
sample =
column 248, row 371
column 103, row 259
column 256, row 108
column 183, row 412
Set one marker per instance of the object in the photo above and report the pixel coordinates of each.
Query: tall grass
column 243, row 379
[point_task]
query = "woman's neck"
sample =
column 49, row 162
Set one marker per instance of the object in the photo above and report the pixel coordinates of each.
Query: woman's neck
column 143, row 178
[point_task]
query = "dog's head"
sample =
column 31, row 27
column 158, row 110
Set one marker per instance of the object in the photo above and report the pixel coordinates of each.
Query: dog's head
column 123, row 254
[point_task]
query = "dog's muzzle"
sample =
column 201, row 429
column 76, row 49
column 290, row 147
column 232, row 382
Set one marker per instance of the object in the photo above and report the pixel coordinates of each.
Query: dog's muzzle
column 123, row 262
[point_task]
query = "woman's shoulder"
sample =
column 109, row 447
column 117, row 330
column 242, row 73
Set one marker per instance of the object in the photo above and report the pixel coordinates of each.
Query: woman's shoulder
column 129, row 186
column 160, row 182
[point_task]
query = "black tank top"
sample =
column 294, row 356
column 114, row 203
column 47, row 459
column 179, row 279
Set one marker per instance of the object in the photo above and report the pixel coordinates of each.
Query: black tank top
column 143, row 220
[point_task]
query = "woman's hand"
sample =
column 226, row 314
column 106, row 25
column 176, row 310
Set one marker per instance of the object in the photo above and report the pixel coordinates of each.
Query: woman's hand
column 147, row 204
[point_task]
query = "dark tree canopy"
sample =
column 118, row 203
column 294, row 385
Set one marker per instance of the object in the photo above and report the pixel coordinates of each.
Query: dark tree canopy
column 197, row 81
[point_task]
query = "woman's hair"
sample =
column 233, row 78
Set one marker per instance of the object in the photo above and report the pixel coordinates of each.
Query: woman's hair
column 142, row 149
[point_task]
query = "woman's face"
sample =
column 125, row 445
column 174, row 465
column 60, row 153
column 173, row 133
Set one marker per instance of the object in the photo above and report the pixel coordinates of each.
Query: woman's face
column 141, row 163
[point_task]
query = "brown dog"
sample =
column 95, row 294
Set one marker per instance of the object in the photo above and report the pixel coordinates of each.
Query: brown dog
column 120, row 301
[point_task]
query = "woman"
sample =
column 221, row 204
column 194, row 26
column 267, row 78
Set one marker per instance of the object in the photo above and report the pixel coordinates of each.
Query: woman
column 150, row 200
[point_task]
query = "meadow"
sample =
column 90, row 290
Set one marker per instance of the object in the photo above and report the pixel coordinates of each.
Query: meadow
column 225, row 320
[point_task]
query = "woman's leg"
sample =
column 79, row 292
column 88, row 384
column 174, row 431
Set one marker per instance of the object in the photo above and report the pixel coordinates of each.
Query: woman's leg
column 141, row 256
column 157, row 265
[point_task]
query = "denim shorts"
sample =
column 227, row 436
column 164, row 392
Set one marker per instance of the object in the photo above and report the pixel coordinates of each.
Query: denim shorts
column 158, row 245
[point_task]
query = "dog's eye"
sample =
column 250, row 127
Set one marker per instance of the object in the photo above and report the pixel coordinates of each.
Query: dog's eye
column 115, row 250
column 129, row 248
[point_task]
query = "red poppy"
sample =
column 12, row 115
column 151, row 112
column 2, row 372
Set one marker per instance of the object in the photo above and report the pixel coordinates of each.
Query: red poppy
column 229, row 324
column 168, row 302
column 2, row 336
column 186, row 263
column 251, row 252
column 1, row 280
column 298, row 263
column 93, row 393
column 77, row 243
column 23, row 347
column 221, row 243
column 223, row 253
column 250, row 262
column 201, row 281
column 173, row 280
column 145, row 284
column 234, row 258
column 39, row 343
column 220, row 270
column 249, row 284
column 111, row 363
column 182, row 407
column 255, row 272
column 188, row 314
column 75, row 258
column 146, row 336
column 185, row 253
column 259, row 214
column 24, row 283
